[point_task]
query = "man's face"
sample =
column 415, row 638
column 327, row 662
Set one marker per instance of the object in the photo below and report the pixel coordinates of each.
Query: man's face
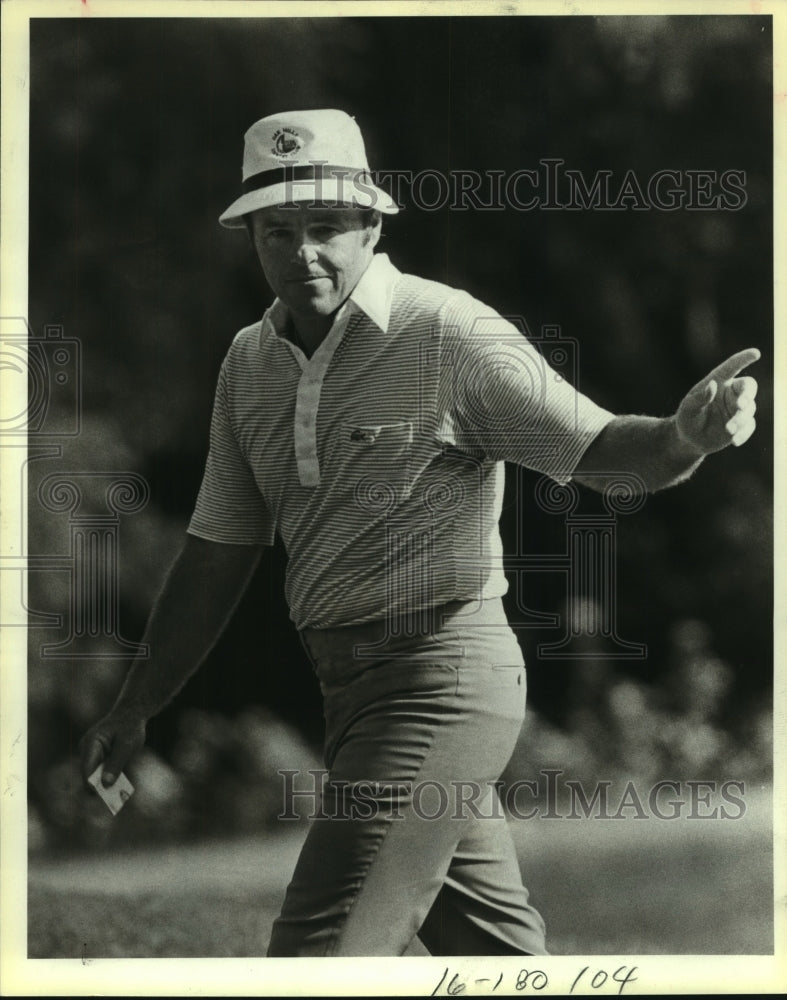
column 313, row 256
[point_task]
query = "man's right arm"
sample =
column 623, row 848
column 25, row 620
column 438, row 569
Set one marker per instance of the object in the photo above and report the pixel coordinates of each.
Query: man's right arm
column 199, row 595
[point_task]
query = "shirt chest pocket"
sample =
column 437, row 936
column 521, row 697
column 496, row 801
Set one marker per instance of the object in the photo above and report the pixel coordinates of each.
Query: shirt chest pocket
column 375, row 463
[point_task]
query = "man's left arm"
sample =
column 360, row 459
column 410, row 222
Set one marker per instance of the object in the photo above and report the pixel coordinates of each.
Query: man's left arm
column 662, row 451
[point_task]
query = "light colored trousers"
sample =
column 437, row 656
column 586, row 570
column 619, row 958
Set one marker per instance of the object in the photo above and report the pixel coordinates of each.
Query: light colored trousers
column 420, row 723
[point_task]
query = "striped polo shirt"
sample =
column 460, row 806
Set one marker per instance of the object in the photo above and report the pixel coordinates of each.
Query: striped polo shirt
column 379, row 460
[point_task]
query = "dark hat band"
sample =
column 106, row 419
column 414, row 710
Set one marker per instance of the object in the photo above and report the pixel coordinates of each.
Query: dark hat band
column 308, row 172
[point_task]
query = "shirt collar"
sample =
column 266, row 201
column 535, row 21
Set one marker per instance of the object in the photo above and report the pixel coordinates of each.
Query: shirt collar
column 372, row 295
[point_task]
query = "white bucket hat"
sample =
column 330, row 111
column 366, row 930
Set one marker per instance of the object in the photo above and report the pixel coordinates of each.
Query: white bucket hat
column 315, row 156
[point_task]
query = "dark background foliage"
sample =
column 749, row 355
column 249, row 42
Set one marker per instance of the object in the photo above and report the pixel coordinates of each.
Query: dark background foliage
column 135, row 149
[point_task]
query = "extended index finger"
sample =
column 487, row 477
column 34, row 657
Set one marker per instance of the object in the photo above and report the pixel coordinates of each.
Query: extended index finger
column 729, row 369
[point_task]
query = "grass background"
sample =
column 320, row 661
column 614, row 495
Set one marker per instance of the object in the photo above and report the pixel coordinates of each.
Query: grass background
column 604, row 887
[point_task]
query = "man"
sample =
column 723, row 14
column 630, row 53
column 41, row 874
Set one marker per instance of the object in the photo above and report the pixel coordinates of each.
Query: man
column 366, row 419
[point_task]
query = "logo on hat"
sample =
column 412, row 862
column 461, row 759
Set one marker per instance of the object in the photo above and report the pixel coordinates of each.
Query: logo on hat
column 309, row 156
column 285, row 141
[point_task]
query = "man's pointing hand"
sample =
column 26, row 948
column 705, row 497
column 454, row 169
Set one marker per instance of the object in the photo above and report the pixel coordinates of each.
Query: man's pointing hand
column 720, row 409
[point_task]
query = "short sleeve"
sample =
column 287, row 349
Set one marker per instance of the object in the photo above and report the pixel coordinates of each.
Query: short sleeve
column 502, row 397
column 230, row 507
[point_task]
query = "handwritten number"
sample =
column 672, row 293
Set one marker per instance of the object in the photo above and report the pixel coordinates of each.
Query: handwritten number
column 579, row 976
column 629, row 977
column 456, row 986
column 535, row 978
column 623, row 975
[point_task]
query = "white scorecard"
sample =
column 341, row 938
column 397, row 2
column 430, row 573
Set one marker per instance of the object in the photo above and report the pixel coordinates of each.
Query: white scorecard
column 117, row 795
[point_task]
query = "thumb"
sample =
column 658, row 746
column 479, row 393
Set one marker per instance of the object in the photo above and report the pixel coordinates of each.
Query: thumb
column 114, row 764
column 94, row 749
column 710, row 392
column 108, row 777
column 124, row 746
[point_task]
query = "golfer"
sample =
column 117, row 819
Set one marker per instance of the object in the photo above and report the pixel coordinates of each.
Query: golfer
column 366, row 419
